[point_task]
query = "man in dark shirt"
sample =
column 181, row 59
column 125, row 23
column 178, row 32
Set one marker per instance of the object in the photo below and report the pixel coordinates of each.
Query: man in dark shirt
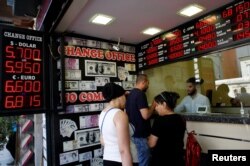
column 139, row 114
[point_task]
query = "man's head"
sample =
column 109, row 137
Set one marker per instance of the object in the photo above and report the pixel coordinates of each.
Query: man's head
column 142, row 82
column 191, row 85
column 243, row 90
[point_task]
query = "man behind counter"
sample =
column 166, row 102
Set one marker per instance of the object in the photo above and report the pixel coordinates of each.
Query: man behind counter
column 193, row 100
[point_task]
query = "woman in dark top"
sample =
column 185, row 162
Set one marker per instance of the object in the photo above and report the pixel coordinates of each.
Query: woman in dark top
column 166, row 139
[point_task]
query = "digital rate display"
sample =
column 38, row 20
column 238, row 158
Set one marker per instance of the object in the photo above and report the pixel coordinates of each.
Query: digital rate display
column 225, row 27
column 22, row 71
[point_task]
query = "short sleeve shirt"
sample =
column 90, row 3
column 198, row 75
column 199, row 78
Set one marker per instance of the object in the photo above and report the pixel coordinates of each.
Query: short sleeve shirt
column 137, row 100
column 170, row 131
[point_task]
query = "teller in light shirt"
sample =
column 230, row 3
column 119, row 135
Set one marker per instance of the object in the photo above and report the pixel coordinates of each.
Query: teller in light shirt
column 193, row 100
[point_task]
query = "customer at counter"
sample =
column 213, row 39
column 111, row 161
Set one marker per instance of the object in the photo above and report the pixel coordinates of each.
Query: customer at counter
column 244, row 97
column 221, row 97
column 193, row 100
column 115, row 130
column 139, row 115
column 166, row 139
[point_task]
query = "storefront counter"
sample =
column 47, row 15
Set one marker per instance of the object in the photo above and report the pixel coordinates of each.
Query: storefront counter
column 220, row 131
column 218, row 118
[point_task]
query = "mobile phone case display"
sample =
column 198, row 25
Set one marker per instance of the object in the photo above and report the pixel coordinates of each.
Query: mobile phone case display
column 88, row 65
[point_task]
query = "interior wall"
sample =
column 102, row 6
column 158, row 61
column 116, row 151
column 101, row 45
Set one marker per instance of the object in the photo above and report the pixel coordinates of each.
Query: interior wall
column 170, row 77
column 229, row 64
column 89, row 64
column 206, row 72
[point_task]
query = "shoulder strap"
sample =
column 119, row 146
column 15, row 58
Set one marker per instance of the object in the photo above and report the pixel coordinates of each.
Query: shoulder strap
column 104, row 118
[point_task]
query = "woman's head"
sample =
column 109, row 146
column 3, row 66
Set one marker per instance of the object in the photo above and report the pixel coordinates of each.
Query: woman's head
column 115, row 93
column 166, row 100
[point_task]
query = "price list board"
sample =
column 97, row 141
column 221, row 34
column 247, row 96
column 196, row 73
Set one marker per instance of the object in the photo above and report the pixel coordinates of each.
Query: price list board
column 225, row 27
column 22, row 70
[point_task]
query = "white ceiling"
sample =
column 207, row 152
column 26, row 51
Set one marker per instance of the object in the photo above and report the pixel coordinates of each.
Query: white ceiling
column 132, row 17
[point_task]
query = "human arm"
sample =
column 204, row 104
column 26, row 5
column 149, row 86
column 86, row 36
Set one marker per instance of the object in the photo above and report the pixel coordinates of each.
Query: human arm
column 101, row 140
column 180, row 107
column 155, row 133
column 207, row 103
column 121, row 124
column 147, row 112
column 152, row 140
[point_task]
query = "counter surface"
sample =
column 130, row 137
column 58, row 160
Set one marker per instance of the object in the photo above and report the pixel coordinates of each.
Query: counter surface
column 218, row 118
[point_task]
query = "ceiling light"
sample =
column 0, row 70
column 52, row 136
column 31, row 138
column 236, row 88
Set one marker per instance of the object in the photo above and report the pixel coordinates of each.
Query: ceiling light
column 170, row 35
column 191, row 10
column 210, row 20
column 101, row 19
column 198, row 42
column 151, row 31
column 237, row 30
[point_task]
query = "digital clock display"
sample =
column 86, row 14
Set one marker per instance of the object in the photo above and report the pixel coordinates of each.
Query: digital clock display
column 22, row 75
column 225, row 27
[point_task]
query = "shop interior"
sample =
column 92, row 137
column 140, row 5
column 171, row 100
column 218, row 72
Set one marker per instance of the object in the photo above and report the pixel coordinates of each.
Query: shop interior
column 221, row 84
column 81, row 57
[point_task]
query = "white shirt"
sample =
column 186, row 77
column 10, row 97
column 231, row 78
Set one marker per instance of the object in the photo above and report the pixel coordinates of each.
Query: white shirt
column 190, row 104
column 109, row 134
column 244, row 98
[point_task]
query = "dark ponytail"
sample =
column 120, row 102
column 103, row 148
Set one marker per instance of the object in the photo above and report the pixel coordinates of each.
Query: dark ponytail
column 170, row 98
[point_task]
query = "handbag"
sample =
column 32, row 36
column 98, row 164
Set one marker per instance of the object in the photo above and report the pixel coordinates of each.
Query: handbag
column 193, row 150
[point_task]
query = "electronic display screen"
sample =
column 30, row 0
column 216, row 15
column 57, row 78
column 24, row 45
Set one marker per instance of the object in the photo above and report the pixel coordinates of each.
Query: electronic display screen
column 201, row 109
column 225, row 27
column 22, row 75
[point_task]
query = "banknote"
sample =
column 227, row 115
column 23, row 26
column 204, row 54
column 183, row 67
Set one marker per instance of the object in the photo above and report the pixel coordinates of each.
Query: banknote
column 87, row 137
column 101, row 81
column 128, row 85
column 70, row 63
column 73, row 75
column 130, row 66
column 69, row 85
column 100, row 68
column 122, row 73
column 68, row 157
column 85, row 156
column 88, row 121
column 87, row 86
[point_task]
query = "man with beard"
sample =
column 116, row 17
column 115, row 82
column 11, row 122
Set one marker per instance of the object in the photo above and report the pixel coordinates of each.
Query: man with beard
column 139, row 114
column 193, row 100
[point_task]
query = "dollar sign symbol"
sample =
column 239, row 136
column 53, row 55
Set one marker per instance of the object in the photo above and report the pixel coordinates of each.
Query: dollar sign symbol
column 11, row 43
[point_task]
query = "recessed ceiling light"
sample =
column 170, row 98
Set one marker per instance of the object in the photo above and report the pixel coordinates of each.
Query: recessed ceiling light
column 210, row 20
column 191, row 10
column 151, row 31
column 170, row 35
column 101, row 19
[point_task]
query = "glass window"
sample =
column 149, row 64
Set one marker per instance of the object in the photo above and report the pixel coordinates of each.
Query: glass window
column 226, row 76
